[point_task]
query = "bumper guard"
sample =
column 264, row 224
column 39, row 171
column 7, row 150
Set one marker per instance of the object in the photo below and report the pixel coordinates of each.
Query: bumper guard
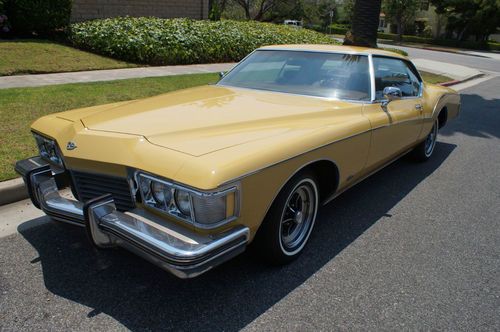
column 176, row 249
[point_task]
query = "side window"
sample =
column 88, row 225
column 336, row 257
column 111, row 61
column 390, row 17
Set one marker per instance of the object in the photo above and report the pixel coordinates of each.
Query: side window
column 397, row 73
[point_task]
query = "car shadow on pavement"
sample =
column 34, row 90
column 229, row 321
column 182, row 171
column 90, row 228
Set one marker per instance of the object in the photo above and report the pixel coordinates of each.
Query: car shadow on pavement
column 478, row 118
column 142, row 297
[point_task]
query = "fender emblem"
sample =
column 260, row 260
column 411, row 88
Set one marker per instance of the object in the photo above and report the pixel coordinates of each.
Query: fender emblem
column 71, row 145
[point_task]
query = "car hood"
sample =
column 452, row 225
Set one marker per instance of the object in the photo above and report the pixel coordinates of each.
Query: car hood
column 202, row 120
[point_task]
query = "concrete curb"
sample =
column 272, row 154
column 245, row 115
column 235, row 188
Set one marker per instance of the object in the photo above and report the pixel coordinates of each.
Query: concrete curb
column 454, row 82
column 12, row 191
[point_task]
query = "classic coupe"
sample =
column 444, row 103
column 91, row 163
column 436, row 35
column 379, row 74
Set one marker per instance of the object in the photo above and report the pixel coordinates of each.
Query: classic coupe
column 191, row 178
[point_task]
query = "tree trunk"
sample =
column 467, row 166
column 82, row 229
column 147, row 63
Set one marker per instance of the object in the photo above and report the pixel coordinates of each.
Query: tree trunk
column 401, row 27
column 247, row 13
column 364, row 24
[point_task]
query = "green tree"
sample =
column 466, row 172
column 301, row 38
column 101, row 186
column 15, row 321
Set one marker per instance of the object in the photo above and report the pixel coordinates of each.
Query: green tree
column 256, row 9
column 216, row 7
column 347, row 12
column 286, row 9
column 364, row 24
column 400, row 13
column 478, row 18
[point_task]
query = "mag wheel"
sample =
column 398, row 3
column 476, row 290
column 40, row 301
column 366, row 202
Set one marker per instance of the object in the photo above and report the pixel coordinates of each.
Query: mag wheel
column 290, row 220
column 424, row 150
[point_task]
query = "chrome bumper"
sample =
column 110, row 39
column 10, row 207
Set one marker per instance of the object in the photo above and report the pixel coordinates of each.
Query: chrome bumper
column 176, row 249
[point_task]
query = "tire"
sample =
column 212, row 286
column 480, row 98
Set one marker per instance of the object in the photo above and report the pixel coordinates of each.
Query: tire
column 423, row 151
column 289, row 222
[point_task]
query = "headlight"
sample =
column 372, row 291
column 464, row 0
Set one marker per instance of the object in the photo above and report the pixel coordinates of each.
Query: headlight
column 202, row 209
column 183, row 202
column 48, row 149
column 161, row 193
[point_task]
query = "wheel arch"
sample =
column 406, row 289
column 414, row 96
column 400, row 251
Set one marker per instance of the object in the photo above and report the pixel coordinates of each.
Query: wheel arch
column 446, row 108
column 323, row 169
column 443, row 116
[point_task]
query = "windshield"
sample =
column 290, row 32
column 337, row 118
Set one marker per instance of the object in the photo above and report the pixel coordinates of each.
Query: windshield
column 331, row 75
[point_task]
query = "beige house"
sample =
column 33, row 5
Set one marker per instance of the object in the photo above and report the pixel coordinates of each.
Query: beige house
column 91, row 9
column 427, row 18
column 427, row 21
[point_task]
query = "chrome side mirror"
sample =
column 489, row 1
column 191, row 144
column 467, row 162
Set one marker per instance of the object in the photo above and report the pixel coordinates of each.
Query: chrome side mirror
column 222, row 74
column 391, row 93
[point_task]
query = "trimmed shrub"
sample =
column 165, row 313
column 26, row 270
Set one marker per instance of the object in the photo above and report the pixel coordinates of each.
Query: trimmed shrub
column 315, row 27
column 183, row 41
column 339, row 29
column 390, row 36
column 35, row 16
column 494, row 46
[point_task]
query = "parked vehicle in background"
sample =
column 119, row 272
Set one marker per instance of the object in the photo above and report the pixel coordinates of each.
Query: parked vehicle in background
column 294, row 23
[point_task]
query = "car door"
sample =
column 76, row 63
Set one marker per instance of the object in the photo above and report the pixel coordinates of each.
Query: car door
column 396, row 126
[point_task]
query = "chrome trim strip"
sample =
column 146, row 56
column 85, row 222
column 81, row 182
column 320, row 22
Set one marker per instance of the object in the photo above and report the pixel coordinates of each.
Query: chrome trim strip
column 372, row 78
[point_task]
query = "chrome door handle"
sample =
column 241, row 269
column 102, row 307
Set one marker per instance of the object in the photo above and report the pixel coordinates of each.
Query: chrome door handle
column 419, row 107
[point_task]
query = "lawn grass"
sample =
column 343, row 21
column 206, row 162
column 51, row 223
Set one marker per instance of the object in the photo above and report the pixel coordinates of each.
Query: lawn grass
column 42, row 56
column 434, row 78
column 19, row 107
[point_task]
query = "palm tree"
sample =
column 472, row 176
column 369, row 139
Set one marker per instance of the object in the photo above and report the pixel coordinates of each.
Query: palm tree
column 364, row 23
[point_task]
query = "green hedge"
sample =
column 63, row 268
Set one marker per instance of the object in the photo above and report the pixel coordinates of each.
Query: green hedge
column 183, row 41
column 494, row 46
column 339, row 29
column 389, row 36
column 38, row 16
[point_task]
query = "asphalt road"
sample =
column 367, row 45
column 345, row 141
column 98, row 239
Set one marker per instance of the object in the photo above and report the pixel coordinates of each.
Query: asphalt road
column 414, row 247
column 480, row 60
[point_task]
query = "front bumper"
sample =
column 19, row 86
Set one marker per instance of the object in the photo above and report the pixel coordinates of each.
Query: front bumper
column 176, row 249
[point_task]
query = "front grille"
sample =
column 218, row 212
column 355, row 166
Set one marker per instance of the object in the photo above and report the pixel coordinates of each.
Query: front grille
column 89, row 185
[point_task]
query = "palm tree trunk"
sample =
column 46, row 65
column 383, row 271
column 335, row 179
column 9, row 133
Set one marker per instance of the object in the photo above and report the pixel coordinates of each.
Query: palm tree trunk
column 364, row 23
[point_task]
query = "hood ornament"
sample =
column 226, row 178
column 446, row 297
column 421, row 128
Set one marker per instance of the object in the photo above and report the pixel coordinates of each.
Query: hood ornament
column 71, row 145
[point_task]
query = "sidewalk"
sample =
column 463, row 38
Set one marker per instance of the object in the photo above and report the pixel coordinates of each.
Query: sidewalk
column 456, row 72
column 483, row 54
column 108, row 75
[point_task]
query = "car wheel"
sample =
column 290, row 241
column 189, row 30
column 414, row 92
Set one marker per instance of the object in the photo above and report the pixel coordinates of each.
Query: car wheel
column 290, row 221
column 424, row 150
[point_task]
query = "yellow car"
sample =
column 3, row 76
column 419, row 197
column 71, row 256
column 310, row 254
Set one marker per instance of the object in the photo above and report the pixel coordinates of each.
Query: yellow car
column 189, row 179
